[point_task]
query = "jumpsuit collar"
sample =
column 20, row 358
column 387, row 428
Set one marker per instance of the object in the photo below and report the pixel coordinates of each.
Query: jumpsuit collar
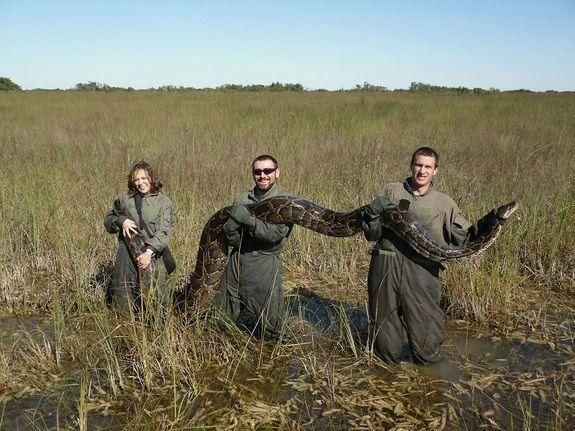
column 145, row 196
column 407, row 186
column 270, row 193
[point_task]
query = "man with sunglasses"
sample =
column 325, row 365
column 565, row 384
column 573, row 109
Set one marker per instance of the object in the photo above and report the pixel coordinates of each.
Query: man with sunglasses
column 403, row 287
column 250, row 291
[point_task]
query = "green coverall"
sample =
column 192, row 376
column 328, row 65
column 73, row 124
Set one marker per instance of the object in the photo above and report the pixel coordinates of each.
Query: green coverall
column 157, row 212
column 252, row 280
column 403, row 287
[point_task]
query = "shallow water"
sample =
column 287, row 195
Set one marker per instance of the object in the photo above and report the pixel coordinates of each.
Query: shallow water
column 45, row 411
column 491, row 382
column 12, row 328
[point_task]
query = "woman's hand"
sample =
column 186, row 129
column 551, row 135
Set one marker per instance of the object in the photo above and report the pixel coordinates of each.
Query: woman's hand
column 144, row 260
column 129, row 228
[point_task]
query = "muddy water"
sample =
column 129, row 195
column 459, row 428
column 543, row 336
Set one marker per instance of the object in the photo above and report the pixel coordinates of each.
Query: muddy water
column 491, row 382
column 12, row 328
column 45, row 411
column 500, row 383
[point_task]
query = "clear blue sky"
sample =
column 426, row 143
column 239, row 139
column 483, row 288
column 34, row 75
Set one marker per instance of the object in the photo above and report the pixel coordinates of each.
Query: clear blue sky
column 506, row 44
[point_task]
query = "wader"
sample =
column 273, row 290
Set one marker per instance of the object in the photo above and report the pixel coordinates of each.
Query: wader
column 126, row 290
column 404, row 293
column 404, row 289
column 250, row 291
column 130, row 293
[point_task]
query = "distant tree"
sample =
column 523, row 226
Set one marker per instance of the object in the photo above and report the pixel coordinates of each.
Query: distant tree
column 290, row 87
column 168, row 88
column 369, row 87
column 96, row 86
column 91, row 86
column 274, row 86
column 520, row 90
column 293, row 87
column 229, row 87
column 174, row 88
column 420, row 87
column 417, row 87
column 6, row 84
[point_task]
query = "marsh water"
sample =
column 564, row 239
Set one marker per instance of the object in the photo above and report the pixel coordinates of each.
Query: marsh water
column 486, row 378
column 494, row 382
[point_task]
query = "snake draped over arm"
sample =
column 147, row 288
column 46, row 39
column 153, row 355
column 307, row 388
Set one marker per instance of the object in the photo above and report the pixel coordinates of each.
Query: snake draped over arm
column 213, row 249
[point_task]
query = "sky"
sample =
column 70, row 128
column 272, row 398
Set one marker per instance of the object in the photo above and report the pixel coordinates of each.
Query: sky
column 504, row 44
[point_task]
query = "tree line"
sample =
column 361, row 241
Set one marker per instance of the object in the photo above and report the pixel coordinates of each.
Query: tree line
column 6, row 84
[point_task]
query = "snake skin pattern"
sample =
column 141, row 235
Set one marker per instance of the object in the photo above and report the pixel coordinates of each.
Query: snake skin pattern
column 213, row 250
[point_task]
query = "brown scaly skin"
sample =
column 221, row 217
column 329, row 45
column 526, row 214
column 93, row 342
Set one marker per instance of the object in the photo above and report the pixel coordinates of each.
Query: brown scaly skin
column 136, row 246
column 213, row 251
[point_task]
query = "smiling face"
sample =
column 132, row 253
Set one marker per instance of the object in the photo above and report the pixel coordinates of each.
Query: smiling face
column 142, row 182
column 265, row 175
column 423, row 169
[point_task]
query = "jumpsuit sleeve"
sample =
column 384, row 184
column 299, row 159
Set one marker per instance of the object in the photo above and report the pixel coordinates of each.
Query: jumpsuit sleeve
column 371, row 221
column 371, row 225
column 266, row 232
column 114, row 219
column 459, row 231
column 164, row 226
column 256, row 228
column 233, row 232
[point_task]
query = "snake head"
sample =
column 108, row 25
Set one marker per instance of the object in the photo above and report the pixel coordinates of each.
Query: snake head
column 504, row 211
column 118, row 207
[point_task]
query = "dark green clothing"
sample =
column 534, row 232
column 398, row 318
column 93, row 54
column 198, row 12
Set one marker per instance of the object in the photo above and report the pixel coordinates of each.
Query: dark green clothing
column 126, row 289
column 252, row 280
column 404, row 289
column 129, row 292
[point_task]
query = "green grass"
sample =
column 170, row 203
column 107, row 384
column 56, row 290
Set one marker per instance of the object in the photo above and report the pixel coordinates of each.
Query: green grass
column 64, row 157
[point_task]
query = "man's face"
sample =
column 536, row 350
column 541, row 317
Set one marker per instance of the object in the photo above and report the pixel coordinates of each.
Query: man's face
column 265, row 174
column 142, row 182
column 423, row 171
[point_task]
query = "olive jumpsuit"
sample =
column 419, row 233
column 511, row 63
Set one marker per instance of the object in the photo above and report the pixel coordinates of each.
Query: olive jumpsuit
column 157, row 213
column 252, row 281
column 404, row 289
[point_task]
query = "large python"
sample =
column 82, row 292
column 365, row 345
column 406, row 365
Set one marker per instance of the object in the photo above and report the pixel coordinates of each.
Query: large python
column 136, row 246
column 213, row 250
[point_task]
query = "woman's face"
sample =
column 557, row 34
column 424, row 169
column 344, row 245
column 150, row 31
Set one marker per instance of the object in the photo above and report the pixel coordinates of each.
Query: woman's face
column 142, row 182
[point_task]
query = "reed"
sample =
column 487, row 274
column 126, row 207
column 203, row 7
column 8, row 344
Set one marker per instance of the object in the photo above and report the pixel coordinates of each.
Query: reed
column 65, row 156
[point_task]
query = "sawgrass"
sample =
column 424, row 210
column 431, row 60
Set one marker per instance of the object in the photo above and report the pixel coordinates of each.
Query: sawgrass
column 64, row 157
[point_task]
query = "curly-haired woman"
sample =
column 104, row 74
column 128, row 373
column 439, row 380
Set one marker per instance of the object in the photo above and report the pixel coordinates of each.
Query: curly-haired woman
column 145, row 213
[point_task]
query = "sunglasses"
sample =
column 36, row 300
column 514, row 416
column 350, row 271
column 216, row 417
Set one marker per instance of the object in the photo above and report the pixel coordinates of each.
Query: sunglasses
column 267, row 171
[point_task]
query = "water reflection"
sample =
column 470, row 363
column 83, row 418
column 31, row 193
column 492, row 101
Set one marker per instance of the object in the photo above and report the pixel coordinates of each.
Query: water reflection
column 489, row 381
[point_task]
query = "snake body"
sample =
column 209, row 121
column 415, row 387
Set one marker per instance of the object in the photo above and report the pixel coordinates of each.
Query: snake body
column 213, row 250
column 136, row 246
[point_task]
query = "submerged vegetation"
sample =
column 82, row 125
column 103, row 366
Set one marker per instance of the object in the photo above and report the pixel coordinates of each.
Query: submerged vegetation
column 73, row 364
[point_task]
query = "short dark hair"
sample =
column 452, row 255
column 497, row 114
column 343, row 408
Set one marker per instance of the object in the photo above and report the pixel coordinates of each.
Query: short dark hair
column 156, row 185
column 265, row 157
column 425, row 151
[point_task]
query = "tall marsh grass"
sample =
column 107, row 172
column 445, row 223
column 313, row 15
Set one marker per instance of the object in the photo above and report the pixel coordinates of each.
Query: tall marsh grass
column 64, row 157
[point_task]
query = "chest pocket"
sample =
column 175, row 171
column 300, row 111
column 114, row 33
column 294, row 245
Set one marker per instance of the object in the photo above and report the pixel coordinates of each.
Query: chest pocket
column 432, row 221
column 152, row 216
column 426, row 215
